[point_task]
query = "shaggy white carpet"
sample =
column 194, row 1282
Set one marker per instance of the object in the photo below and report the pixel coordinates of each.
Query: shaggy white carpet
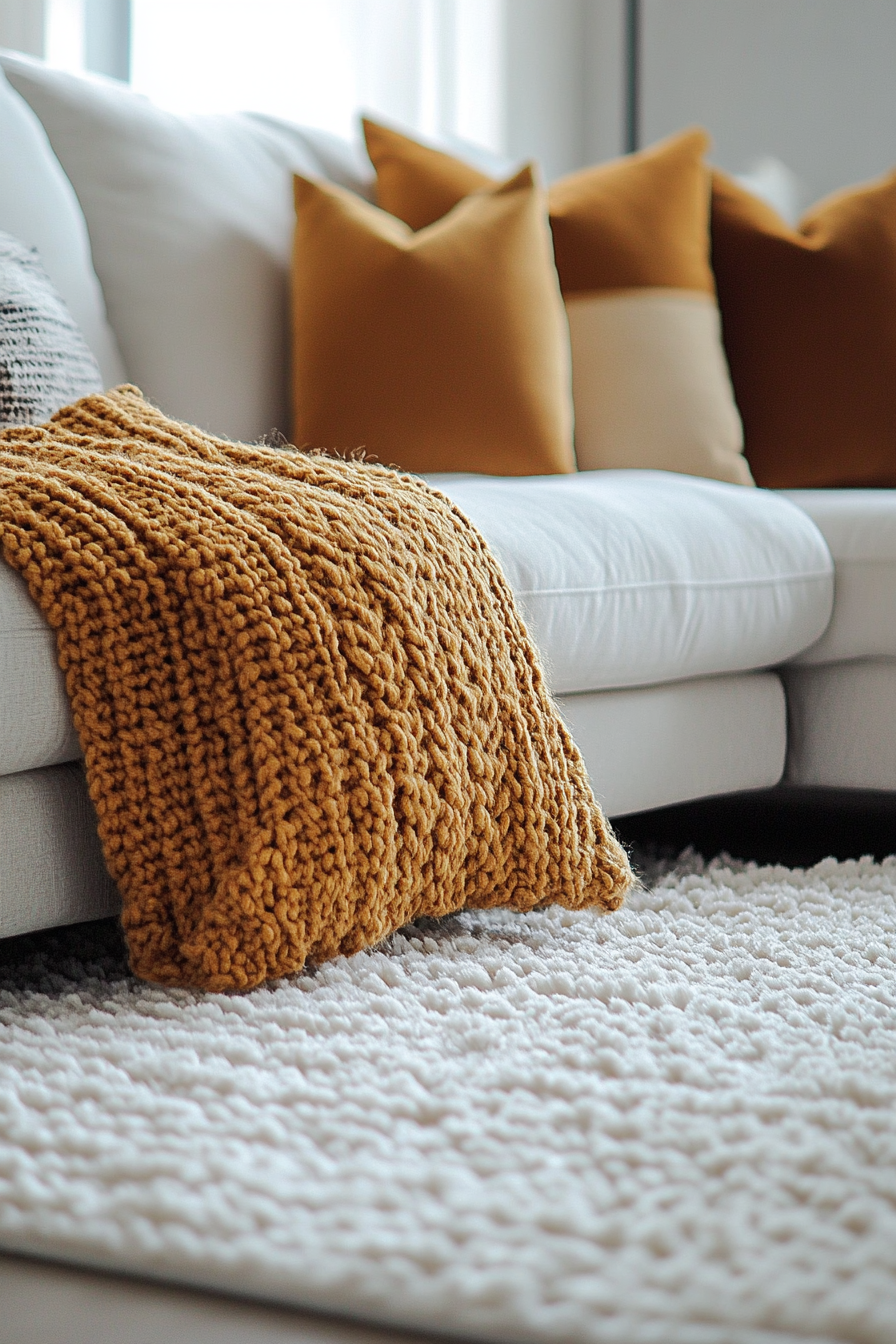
column 673, row 1123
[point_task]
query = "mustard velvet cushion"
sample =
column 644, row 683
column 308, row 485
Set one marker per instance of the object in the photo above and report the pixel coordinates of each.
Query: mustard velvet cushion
column 809, row 318
column 445, row 349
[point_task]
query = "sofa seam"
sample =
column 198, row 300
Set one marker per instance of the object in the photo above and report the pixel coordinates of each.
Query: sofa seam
column 764, row 581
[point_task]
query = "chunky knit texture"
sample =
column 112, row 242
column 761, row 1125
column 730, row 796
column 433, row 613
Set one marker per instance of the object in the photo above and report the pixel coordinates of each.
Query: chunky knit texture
column 309, row 710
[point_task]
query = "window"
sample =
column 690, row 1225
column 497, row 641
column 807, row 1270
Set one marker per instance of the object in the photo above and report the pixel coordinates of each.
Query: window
column 434, row 65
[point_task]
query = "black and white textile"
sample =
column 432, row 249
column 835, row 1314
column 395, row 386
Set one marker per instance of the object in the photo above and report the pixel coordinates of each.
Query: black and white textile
column 45, row 362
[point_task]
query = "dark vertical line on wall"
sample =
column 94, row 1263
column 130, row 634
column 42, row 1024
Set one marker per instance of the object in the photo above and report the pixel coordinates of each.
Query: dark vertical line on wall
column 632, row 75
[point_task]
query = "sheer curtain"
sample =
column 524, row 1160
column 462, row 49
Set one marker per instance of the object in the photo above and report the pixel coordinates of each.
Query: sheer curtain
column 432, row 65
column 541, row 79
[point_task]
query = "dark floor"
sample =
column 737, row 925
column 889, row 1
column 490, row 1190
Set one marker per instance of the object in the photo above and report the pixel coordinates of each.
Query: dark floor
column 792, row 826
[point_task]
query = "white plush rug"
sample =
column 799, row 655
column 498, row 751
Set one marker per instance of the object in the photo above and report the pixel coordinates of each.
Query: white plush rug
column 673, row 1123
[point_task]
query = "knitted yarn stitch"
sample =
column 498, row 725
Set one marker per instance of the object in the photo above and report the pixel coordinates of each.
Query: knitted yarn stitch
column 309, row 710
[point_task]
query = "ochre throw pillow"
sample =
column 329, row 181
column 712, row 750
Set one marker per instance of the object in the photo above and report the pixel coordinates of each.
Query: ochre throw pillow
column 631, row 237
column 809, row 320
column 442, row 350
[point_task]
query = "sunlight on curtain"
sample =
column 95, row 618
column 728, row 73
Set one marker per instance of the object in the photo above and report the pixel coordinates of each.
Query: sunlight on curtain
column 64, row 33
column 432, row 65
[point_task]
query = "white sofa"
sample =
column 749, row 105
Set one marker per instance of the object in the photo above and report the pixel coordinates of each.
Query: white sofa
column 672, row 612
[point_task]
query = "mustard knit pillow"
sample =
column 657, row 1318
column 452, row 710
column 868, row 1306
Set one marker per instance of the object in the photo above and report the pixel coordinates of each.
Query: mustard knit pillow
column 309, row 710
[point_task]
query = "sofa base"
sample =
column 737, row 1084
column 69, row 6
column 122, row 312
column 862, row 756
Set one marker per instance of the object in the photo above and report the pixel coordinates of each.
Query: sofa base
column 644, row 748
column 52, row 871
column 650, row 746
column 842, row 724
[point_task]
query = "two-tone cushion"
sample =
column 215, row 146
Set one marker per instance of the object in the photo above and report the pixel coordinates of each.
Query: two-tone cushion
column 631, row 239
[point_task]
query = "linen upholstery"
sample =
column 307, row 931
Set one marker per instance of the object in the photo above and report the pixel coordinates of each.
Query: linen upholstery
column 53, row 870
column 36, row 727
column 649, row 746
column 191, row 226
column 842, row 724
column 630, row 578
column 859, row 529
column 39, row 207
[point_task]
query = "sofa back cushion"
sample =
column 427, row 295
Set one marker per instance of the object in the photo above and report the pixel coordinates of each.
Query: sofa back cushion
column 39, row 207
column 631, row 237
column 809, row 320
column 191, row 223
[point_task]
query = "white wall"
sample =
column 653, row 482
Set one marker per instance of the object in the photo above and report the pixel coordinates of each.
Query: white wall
column 540, row 79
column 81, row 34
column 812, row 82
column 524, row 78
column 22, row 25
column 565, row 92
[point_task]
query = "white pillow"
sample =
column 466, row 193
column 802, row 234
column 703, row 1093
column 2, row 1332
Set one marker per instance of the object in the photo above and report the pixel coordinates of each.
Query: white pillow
column 773, row 182
column 38, row 206
column 191, row 223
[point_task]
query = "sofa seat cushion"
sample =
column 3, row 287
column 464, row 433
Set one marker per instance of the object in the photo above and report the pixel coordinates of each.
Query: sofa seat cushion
column 633, row 578
column 859, row 527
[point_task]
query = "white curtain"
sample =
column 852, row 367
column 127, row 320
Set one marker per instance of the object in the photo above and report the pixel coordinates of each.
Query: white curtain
column 435, row 66
column 539, row 79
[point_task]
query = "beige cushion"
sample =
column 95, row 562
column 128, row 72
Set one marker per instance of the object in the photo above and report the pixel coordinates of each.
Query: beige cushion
column 650, row 383
column 631, row 237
